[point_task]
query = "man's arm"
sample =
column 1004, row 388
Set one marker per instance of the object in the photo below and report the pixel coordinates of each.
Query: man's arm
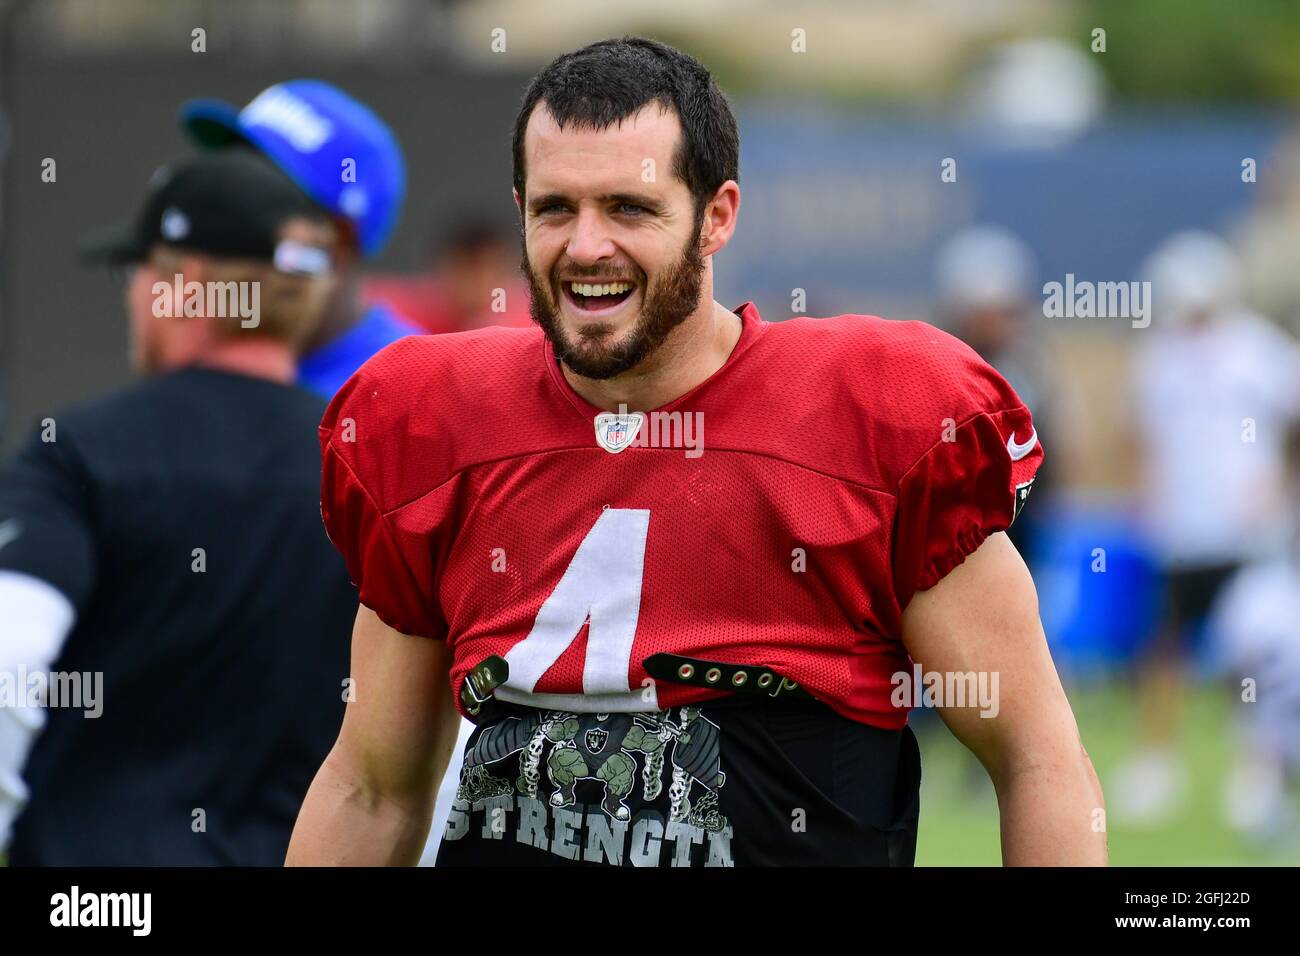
column 38, row 619
column 48, row 569
column 372, row 799
column 982, row 617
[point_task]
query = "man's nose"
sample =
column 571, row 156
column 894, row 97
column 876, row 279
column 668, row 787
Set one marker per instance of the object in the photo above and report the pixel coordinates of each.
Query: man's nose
column 590, row 241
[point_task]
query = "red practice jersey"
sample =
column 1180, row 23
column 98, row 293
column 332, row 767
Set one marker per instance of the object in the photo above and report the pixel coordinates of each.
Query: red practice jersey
column 782, row 513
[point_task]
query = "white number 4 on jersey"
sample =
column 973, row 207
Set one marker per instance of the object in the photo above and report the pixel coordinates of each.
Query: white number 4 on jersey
column 601, row 588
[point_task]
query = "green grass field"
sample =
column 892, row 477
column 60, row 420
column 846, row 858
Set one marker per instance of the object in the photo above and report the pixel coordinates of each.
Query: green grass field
column 959, row 820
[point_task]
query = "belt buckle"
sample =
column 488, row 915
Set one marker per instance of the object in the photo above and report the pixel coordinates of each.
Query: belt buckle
column 483, row 678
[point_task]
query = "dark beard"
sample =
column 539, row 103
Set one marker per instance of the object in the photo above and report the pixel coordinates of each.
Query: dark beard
column 673, row 297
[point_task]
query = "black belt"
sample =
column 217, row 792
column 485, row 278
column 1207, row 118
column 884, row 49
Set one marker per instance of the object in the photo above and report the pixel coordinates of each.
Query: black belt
column 753, row 680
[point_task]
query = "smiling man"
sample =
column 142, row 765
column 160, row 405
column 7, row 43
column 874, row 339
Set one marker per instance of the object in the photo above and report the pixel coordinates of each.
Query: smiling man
column 676, row 660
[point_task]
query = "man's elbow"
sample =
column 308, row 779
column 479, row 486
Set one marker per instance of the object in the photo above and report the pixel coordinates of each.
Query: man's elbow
column 1047, row 748
column 355, row 816
column 1050, row 785
column 374, row 785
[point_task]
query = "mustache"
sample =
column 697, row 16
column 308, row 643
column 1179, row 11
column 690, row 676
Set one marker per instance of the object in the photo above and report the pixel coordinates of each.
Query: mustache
column 595, row 274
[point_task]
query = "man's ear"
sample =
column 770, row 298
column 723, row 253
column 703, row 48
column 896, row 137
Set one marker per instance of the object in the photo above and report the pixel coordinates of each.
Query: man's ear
column 720, row 218
column 519, row 203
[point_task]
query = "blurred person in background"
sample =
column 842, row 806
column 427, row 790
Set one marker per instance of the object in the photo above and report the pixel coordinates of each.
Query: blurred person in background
column 1257, row 619
column 474, row 281
column 158, row 543
column 342, row 155
column 1215, row 387
column 1267, row 235
column 986, row 281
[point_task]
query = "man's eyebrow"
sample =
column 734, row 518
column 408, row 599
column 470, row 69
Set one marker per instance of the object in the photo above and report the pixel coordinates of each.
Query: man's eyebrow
column 635, row 199
column 549, row 199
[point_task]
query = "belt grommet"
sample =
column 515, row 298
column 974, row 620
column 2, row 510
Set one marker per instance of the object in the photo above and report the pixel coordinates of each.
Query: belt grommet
column 738, row 679
column 686, row 671
column 713, row 675
column 764, row 680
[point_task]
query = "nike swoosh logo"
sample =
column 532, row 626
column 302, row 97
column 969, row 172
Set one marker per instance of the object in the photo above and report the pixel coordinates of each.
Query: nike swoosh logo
column 1020, row 451
column 10, row 531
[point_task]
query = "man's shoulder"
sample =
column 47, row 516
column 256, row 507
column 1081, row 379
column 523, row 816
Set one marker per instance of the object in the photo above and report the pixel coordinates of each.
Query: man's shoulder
column 426, row 400
column 431, row 373
column 860, row 342
column 162, row 419
column 903, row 379
column 126, row 410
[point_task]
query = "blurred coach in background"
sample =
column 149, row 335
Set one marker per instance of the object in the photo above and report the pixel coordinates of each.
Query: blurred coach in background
column 347, row 160
column 159, row 543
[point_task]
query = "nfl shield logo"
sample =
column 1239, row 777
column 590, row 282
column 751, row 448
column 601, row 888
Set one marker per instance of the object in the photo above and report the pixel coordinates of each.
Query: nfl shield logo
column 614, row 432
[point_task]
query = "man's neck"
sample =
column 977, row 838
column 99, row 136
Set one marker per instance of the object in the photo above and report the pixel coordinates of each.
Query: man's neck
column 692, row 352
column 254, row 357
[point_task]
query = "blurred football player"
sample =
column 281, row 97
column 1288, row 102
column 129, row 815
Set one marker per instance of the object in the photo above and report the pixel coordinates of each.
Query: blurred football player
column 342, row 155
column 1257, row 620
column 677, row 562
column 1214, row 387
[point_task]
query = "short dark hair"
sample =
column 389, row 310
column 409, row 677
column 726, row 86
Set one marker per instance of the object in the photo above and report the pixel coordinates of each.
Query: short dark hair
column 606, row 82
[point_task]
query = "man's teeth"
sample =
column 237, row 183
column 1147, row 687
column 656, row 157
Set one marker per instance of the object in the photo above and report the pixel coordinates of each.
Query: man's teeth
column 612, row 288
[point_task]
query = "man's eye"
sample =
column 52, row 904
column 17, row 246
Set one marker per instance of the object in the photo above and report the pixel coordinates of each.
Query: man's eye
column 630, row 209
column 552, row 208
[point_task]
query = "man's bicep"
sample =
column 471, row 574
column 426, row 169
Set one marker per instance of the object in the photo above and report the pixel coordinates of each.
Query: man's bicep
column 400, row 723
column 981, row 619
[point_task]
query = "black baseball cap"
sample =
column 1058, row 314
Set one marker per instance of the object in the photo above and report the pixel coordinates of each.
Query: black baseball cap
column 231, row 203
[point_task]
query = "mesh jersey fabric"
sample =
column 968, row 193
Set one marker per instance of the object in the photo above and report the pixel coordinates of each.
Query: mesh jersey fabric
column 845, row 464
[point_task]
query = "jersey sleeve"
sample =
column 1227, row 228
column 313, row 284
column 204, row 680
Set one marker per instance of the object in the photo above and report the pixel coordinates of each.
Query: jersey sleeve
column 46, row 517
column 970, row 483
column 391, row 566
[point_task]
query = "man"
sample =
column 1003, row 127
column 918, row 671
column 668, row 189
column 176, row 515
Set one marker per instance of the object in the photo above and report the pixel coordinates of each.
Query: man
column 1257, row 620
column 680, row 647
column 346, row 158
column 473, row 281
column 1214, row 389
column 158, row 542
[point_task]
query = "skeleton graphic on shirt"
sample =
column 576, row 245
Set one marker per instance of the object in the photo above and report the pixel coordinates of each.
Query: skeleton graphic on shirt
column 602, row 748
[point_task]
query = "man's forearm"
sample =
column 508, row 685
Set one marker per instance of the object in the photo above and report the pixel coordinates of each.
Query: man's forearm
column 346, row 822
column 1052, row 815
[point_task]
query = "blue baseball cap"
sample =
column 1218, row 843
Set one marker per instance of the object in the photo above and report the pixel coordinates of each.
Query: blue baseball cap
column 335, row 148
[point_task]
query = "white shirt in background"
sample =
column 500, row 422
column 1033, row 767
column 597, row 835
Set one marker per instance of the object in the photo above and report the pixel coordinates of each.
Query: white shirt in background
column 1213, row 405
